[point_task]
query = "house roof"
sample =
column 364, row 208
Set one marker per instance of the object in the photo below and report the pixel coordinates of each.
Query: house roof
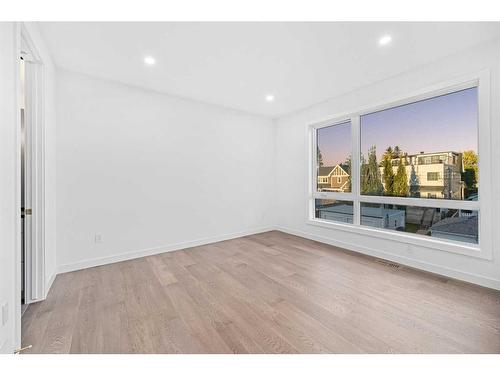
column 464, row 226
column 435, row 153
column 325, row 171
column 405, row 155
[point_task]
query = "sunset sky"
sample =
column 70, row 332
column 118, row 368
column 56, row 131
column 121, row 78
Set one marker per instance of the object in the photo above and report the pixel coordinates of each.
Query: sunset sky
column 444, row 123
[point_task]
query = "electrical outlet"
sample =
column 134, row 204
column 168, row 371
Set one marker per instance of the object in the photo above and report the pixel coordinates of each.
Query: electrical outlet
column 98, row 238
column 5, row 313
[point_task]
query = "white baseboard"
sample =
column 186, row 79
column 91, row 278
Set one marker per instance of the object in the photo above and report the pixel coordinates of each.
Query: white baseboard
column 69, row 267
column 49, row 283
column 425, row 266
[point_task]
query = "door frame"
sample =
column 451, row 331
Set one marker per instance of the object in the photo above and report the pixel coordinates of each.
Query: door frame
column 35, row 275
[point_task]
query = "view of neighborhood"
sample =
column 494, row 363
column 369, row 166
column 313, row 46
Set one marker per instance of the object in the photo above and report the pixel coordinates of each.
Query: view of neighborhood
column 443, row 223
column 447, row 174
column 445, row 126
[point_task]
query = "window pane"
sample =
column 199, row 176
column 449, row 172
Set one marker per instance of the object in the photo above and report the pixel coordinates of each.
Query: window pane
column 333, row 210
column 426, row 149
column 334, row 158
column 442, row 223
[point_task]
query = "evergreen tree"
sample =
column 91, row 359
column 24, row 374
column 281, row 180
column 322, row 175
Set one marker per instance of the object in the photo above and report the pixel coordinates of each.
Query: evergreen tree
column 371, row 182
column 388, row 172
column 319, row 157
column 362, row 159
column 414, row 183
column 401, row 181
column 346, row 166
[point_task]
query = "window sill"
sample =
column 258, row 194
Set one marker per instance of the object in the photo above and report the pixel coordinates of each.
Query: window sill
column 407, row 238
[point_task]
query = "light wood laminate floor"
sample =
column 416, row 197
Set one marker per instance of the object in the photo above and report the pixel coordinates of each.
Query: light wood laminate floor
column 266, row 293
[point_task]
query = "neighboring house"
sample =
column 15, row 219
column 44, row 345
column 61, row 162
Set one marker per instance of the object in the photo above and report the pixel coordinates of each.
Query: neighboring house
column 464, row 229
column 333, row 179
column 433, row 175
column 377, row 217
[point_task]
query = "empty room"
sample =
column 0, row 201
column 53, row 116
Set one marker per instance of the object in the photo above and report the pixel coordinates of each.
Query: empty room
column 250, row 187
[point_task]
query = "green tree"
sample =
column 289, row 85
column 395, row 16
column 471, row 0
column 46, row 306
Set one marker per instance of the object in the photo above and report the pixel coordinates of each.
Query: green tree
column 414, row 183
column 388, row 173
column 346, row 166
column 362, row 159
column 319, row 157
column 401, row 181
column 470, row 174
column 371, row 182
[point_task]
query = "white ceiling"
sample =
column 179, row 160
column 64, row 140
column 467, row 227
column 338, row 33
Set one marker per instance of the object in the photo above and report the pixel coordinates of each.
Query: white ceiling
column 237, row 64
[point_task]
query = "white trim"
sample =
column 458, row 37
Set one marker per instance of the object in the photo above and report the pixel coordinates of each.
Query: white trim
column 313, row 167
column 422, row 202
column 49, row 283
column 434, row 243
column 69, row 267
column 335, row 195
column 419, row 202
column 342, row 173
column 421, row 265
column 484, row 249
column 312, row 175
column 485, row 164
column 17, row 183
column 355, row 170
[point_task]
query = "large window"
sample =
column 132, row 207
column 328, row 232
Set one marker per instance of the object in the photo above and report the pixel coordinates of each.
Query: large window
column 411, row 167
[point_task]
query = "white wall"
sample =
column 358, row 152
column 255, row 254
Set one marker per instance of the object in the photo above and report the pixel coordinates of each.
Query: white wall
column 292, row 153
column 150, row 172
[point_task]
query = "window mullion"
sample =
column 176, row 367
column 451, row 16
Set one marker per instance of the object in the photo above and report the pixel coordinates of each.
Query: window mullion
column 355, row 168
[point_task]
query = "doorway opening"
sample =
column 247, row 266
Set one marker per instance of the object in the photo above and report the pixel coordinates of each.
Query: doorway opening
column 32, row 180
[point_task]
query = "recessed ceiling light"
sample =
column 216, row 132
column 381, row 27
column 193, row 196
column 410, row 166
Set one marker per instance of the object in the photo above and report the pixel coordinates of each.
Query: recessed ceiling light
column 149, row 60
column 269, row 98
column 385, row 40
